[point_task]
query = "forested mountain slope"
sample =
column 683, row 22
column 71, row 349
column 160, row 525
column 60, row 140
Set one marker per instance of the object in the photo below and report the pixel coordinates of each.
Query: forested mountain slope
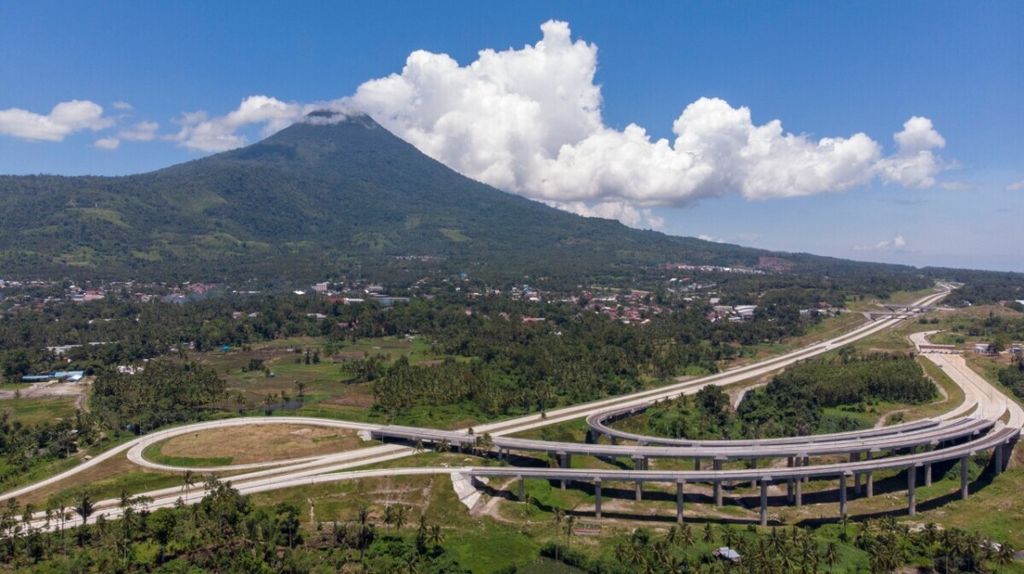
column 318, row 199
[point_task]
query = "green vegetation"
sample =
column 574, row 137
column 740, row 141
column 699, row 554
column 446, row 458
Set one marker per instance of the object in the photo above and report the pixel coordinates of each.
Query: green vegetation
column 24, row 447
column 1012, row 377
column 223, row 533
column 816, row 396
column 878, row 546
column 152, row 453
column 164, row 393
column 326, row 200
column 33, row 411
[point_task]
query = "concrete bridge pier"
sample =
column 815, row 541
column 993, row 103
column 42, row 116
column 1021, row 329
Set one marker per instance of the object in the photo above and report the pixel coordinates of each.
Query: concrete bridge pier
column 997, row 459
column 928, row 474
column 597, row 498
column 717, row 484
column 870, row 479
column 911, row 488
column 696, row 463
column 639, row 490
column 963, row 477
column 790, row 463
column 522, row 488
column 680, row 484
column 807, row 462
column 799, row 493
column 564, row 461
column 855, row 457
column 765, row 481
column 842, row 495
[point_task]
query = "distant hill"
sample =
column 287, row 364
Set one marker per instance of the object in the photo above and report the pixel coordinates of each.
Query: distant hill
column 318, row 199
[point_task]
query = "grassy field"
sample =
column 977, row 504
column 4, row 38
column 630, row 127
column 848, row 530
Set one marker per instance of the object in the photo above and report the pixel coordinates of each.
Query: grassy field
column 325, row 386
column 154, row 453
column 249, row 444
column 32, row 411
column 106, row 480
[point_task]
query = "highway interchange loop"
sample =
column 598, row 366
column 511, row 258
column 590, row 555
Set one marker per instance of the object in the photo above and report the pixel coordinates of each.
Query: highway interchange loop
column 986, row 420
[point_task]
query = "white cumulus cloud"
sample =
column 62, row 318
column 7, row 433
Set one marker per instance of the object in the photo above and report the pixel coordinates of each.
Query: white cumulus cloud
column 1016, row 186
column 896, row 243
column 107, row 143
column 621, row 210
column 64, row 119
column 529, row 121
column 914, row 164
column 201, row 133
column 140, row 131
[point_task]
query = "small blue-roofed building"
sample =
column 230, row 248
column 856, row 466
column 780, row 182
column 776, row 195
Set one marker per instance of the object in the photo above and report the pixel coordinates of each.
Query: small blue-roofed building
column 69, row 376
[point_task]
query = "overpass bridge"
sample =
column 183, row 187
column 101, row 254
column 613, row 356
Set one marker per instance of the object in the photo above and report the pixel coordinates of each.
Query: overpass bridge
column 974, row 428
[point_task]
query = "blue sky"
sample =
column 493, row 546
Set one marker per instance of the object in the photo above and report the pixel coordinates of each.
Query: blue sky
column 824, row 69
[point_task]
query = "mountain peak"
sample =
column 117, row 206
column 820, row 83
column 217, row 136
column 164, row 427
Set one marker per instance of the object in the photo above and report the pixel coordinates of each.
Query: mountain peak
column 333, row 191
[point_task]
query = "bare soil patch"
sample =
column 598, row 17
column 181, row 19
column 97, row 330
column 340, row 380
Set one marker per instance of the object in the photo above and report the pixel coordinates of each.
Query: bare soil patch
column 261, row 443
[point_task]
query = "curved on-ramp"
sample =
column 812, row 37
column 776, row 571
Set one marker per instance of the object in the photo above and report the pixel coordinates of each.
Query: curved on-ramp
column 970, row 436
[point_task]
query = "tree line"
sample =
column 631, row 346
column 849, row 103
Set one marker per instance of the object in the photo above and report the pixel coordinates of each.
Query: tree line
column 795, row 401
column 225, row 532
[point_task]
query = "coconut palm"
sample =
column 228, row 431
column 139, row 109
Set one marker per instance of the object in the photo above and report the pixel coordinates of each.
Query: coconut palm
column 188, row 480
column 83, row 506
column 436, row 535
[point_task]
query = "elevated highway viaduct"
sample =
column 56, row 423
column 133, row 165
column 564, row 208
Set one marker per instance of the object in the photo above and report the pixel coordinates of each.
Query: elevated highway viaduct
column 987, row 422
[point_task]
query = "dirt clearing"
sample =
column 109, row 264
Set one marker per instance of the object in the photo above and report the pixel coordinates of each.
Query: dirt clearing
column 261, row 443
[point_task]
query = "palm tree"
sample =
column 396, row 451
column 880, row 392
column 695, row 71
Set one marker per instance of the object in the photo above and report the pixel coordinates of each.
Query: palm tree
column 436, row 535
column 365, row 530
column 389, row 515
column 188, row 481
column 60, row 503
column 570, row 524
column 127, row 504
column 709, row 533
column 557, row 517
column 84, row 508
column 687, row 536
column 26, row 518
column 421, row 534
column 728, row 536
column 401, row 515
